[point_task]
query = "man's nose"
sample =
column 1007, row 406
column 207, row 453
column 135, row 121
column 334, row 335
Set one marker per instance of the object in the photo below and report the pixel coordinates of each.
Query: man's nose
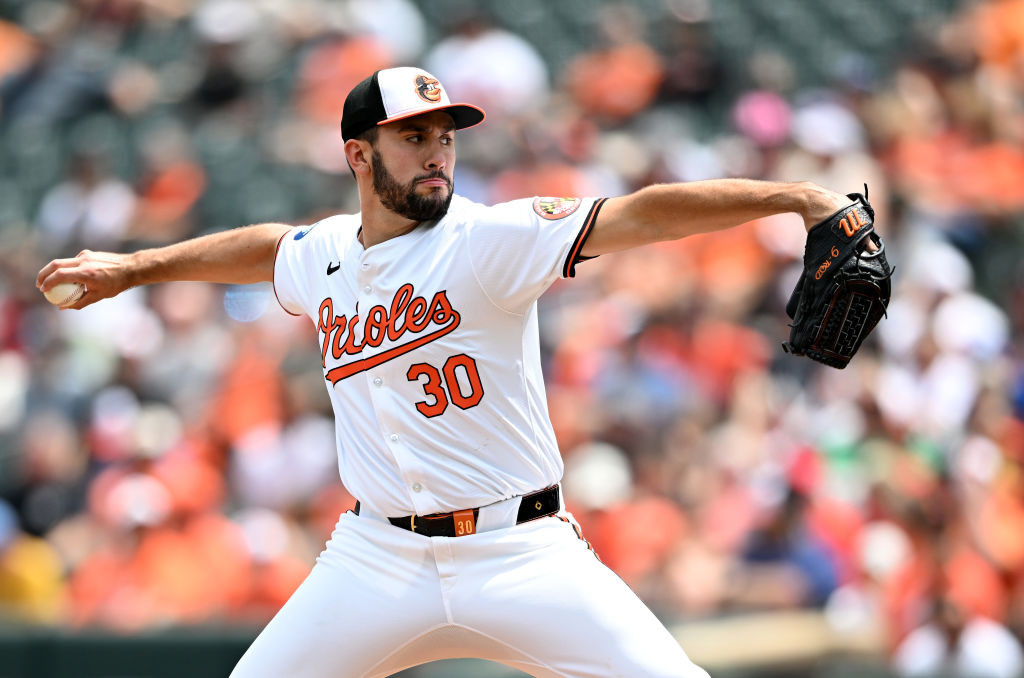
column 436, row 161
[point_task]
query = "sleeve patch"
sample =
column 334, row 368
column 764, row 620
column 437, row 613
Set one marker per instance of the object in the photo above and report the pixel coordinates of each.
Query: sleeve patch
column 555, row 208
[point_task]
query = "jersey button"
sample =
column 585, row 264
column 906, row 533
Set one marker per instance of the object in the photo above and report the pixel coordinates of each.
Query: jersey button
column 416, row 487
column 377, row 381
column 394, row 437
column 367, row 289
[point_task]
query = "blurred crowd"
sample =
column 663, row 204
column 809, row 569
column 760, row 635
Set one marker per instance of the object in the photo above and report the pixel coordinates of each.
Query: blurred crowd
column 167, row 456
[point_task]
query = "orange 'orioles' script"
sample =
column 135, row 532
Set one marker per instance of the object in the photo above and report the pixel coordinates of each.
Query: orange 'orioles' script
column 408, row 314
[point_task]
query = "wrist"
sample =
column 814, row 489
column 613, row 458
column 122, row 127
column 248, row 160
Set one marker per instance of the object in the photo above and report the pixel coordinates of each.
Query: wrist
column 134, row 267
column 816, row 203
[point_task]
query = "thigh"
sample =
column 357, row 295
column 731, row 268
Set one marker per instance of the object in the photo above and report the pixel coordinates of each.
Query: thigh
column 545, row 593
column 371, row 591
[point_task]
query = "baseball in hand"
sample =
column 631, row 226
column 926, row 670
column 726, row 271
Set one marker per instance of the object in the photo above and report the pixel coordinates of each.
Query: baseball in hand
column 64, row 294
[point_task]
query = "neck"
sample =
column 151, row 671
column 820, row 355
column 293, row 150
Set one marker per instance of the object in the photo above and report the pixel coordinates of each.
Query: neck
column 380, row 223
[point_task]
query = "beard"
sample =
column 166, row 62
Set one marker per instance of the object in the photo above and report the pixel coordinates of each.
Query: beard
column 402, row 199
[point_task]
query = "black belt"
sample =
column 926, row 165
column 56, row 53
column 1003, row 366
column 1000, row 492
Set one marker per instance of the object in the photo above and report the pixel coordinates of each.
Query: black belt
column 460, row 523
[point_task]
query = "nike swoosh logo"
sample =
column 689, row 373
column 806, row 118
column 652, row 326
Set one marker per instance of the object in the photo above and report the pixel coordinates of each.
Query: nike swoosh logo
column 357, row 366
column 332, row 267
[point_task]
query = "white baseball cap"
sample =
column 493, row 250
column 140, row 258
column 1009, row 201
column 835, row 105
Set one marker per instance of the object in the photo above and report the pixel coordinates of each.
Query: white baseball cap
column 397, row 93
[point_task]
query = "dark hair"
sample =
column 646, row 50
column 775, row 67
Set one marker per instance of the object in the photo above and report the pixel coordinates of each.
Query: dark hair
column 370, row 136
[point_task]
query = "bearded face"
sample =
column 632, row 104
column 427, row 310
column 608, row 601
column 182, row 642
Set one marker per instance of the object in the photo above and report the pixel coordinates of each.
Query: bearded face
column 404, row 200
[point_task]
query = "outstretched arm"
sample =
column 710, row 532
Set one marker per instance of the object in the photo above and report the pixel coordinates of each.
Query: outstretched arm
column 239, row 256
column 673, row 211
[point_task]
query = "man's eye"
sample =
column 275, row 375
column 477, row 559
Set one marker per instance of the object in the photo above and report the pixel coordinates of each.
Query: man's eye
column 447, row 141
column 414, row 138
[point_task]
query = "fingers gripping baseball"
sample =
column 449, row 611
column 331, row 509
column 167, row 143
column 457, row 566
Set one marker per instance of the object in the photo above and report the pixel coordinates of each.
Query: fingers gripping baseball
column 104, row 274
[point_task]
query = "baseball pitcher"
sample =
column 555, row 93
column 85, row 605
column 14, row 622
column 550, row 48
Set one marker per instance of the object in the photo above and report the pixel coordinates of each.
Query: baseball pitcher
column 425, row 308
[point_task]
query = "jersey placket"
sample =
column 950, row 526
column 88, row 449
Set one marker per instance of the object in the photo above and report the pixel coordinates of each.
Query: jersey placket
column 380, row 382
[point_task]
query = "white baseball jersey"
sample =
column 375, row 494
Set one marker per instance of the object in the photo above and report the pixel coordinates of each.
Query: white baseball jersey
column 430, row 348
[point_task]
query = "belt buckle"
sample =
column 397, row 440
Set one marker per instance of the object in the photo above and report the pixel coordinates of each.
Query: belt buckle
column 412, row 523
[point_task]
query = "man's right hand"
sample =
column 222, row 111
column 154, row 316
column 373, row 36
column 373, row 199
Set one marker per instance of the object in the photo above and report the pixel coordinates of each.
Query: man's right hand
column 104, row 274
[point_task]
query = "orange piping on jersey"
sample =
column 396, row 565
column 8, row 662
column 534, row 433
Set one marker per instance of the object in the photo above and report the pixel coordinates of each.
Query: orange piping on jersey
column 569, row 269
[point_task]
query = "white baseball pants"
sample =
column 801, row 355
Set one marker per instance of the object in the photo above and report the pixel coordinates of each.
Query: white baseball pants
column 532, row 596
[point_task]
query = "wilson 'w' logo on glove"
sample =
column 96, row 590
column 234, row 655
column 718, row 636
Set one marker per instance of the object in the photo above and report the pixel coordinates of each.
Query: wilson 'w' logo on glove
column 844, row 288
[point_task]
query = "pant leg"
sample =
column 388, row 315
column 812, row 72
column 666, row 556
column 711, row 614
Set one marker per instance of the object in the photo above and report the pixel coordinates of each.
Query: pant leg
column 373, row 589
column 538, row 588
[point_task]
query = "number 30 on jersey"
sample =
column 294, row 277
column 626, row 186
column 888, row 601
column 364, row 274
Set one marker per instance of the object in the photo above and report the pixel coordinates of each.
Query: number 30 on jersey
column 457, row 382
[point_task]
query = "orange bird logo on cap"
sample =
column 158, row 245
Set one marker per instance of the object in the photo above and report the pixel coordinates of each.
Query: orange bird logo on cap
column 429, row 89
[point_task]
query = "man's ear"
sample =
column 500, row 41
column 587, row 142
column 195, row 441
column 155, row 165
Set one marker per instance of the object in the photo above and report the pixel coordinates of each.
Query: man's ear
column 357, row 152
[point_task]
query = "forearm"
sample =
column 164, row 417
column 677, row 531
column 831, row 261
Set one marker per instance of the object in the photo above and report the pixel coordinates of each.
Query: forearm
column 673, row 211
column 239, row 256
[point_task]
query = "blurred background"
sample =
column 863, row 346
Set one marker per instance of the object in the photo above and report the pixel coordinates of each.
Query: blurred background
column 167, row 470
